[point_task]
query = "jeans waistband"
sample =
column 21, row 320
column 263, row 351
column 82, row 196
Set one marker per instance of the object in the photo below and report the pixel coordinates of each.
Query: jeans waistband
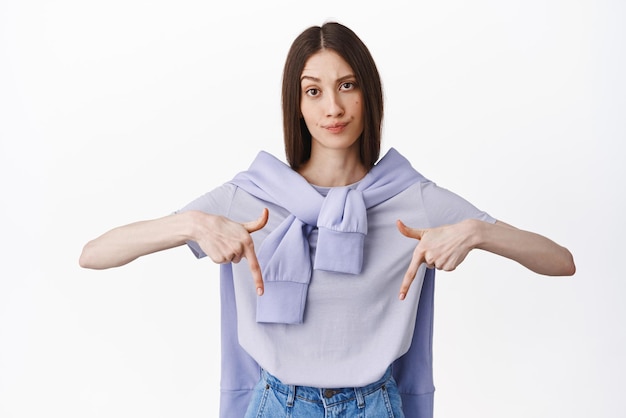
column 325, row 395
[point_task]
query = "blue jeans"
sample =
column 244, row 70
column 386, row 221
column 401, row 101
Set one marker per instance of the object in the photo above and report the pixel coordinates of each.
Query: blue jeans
column 273, row 399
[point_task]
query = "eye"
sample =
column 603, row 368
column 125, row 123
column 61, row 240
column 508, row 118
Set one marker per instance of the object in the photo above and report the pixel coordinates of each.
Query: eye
column 312, row 92
column 348, row 85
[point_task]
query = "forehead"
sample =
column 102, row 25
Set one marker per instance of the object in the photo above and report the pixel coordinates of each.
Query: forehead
column 326, row 64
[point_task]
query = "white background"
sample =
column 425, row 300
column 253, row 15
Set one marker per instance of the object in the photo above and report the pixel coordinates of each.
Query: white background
column 112, row 112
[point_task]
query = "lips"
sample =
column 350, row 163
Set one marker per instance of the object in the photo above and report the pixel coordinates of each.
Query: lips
column 335, row 127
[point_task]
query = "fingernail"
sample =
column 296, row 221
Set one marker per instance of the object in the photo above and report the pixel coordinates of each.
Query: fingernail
column 402, row 296
column 259, row 291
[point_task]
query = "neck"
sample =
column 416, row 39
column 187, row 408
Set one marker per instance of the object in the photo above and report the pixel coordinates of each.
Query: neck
column 332, row 168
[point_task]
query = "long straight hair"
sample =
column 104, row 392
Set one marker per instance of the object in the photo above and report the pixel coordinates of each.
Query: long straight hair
column 347, row 44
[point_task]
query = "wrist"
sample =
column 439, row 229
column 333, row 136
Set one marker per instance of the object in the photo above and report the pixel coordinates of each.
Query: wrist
column 191, row 224
column 475, row 233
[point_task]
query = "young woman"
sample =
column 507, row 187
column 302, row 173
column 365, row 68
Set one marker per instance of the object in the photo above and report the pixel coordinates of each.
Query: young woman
column 327, row 295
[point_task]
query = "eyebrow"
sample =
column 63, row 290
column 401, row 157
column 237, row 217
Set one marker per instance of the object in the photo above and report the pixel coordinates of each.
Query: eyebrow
column 317, row 80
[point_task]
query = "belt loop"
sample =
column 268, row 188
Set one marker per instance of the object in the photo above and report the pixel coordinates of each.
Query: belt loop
column 359, row 398
column 291, row 395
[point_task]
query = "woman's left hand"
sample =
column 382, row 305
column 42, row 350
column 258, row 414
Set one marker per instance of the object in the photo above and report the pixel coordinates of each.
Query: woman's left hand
column 443, row 248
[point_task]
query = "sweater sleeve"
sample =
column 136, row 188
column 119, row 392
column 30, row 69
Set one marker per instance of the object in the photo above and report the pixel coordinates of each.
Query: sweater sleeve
column 444, row 207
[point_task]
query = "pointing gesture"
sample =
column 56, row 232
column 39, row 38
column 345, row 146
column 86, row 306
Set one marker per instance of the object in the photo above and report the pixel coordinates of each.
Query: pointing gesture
column 250, row 254
column 443, row 248
column 226, row 241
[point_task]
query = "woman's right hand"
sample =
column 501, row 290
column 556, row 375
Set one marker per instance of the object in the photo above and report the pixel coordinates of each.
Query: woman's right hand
column 221, row 239
column 226, row 241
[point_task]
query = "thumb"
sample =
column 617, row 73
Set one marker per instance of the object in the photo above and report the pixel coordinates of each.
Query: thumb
column 257, row 224
column 409, row 232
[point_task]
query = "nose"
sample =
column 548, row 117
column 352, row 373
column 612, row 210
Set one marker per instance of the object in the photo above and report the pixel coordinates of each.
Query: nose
column 334, row 106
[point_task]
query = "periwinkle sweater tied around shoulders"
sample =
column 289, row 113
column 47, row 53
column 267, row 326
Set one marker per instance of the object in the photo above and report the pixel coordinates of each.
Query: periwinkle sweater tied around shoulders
column 341, row 219
column 285, row 258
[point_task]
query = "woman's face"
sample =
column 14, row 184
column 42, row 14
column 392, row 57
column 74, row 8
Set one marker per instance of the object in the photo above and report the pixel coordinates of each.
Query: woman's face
column 332, row 102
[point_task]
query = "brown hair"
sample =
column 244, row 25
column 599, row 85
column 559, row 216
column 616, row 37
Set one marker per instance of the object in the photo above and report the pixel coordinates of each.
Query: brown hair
column 347, row 44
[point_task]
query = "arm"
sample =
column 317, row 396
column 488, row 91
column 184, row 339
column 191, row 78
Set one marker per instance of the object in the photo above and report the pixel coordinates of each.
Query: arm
column 126, row 243
column 533, row 251
column 447, row 246
column 220, row 238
